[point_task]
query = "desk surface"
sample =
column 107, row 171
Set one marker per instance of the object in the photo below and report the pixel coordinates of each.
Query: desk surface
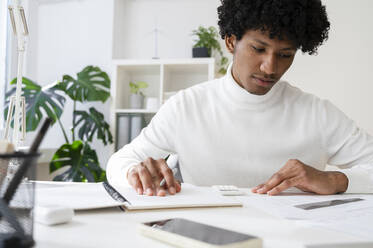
column 114, row 228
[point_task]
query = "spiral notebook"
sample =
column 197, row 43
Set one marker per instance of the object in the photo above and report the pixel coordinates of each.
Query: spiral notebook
column 80, row 196
column 190, row 196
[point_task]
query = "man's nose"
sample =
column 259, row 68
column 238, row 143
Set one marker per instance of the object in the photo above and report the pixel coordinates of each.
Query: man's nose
column 269, row 65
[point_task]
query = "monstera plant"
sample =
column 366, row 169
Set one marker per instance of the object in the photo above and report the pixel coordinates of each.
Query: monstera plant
column 90, row 85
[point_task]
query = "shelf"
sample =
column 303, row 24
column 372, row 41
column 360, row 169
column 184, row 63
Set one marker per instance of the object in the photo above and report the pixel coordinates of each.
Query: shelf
column 165, row 77
column 135, row 111
column 144, row 62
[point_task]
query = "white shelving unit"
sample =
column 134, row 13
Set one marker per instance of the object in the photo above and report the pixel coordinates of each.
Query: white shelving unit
column 162, row 75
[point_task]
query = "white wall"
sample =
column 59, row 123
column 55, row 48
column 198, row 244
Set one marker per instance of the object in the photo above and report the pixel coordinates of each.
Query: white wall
column 67, row 35
column 342, row 71
column 3, row 34
column 135, row 22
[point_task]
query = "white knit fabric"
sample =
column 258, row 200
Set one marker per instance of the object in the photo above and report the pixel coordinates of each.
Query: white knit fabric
column 225, row 135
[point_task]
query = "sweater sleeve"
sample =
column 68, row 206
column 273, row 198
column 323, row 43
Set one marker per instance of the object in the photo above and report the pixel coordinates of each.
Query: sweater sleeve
column 348, row 147
column 155, row 141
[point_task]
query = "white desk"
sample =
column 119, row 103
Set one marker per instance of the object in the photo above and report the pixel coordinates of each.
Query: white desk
column 114, row 228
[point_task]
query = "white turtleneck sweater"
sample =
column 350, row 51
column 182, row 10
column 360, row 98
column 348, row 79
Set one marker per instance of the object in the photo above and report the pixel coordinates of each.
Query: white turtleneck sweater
column 223, row 134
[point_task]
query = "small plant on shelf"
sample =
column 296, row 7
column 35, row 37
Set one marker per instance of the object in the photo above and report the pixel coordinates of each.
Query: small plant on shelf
column 137, row 86
column 207, row 43
column 137, row 96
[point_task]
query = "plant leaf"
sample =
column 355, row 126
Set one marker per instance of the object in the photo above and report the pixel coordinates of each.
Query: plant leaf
column 39, row 102
column 222, row 71
column 142, row 85
column 134, row 88
column 91, row 123
column 92, row 84
column 224, row 61
column 207, row 37
column 82, row 161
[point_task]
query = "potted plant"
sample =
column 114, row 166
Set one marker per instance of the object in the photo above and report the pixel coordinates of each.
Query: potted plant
column 137, row 96
column 80, row 159
column 206, row 44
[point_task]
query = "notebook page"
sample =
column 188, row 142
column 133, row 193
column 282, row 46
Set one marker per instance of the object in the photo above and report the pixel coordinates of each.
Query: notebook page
column 189, row 196
column 77, row 196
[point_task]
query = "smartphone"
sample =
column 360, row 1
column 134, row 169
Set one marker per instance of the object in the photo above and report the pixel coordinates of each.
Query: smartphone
column 185, row 233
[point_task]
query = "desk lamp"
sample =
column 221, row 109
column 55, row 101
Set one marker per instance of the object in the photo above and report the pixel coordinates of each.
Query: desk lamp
column 20, row 30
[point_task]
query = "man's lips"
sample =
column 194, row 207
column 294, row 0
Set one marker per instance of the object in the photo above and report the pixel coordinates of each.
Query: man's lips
column 264, row 81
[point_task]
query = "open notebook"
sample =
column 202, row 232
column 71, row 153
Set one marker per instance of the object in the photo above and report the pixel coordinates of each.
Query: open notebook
column 81, row 196
column 189, row 196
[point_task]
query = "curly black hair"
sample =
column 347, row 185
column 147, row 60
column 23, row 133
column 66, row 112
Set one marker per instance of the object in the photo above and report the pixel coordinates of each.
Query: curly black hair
column 304, row 22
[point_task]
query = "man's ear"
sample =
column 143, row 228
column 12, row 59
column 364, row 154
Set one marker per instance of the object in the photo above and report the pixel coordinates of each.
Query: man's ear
column 230, row 43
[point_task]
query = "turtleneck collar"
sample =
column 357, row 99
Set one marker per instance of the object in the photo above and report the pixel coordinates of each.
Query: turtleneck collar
column 246, row 99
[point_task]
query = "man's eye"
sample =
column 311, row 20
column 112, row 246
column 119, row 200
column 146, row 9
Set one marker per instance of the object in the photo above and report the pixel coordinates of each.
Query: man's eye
column 259, row 50
column 285, row 55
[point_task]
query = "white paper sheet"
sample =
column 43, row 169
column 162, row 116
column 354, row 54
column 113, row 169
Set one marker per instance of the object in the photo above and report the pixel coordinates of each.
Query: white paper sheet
column 283, row 205
column 189, row 196
column 355, row 218
column 355, row 221
column 77, row 196
column 81, row 196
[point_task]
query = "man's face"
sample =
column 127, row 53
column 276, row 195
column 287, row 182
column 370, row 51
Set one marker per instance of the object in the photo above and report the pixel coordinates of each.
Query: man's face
column 258, row 61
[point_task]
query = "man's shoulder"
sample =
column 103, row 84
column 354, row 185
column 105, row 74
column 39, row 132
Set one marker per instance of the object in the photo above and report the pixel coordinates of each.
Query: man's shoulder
column 298, row 97
column 293, row 93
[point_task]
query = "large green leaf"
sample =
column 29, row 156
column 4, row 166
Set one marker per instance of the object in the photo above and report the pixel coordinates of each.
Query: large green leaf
column 39, row 101
column 91, row 123
column 81, row 159
column 92, row 84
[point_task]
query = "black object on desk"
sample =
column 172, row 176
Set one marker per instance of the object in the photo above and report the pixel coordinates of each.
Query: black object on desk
column 114, row 194
column 16, row 221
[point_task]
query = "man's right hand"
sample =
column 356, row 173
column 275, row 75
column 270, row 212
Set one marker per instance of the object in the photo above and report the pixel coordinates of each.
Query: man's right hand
column 146, row 177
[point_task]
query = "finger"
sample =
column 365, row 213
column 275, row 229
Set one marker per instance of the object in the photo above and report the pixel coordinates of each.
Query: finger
column 161, row 191
column 135, row 182
column 288, row 183
column 178, row 186
column 177, row 183
column 167, row 175
column 255, row 189
column 275, row 180
column 286, row 172
column 146, row 180
column 153, row 168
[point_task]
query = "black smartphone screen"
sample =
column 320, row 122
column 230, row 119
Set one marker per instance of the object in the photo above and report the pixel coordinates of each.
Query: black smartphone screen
column 199, row 231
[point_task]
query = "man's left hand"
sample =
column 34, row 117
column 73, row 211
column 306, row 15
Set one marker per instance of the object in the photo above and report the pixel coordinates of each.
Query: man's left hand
column 306, row 178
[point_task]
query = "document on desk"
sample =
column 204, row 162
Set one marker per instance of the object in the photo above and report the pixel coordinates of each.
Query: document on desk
column 81, row 196
column 78, row 196
column 189, row 196
column 348, row 213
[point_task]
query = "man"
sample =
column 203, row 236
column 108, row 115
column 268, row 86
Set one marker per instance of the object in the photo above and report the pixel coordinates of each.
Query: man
column 249, row 128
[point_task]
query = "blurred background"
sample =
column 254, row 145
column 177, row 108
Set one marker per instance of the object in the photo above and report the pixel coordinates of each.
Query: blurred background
column 122, row 38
